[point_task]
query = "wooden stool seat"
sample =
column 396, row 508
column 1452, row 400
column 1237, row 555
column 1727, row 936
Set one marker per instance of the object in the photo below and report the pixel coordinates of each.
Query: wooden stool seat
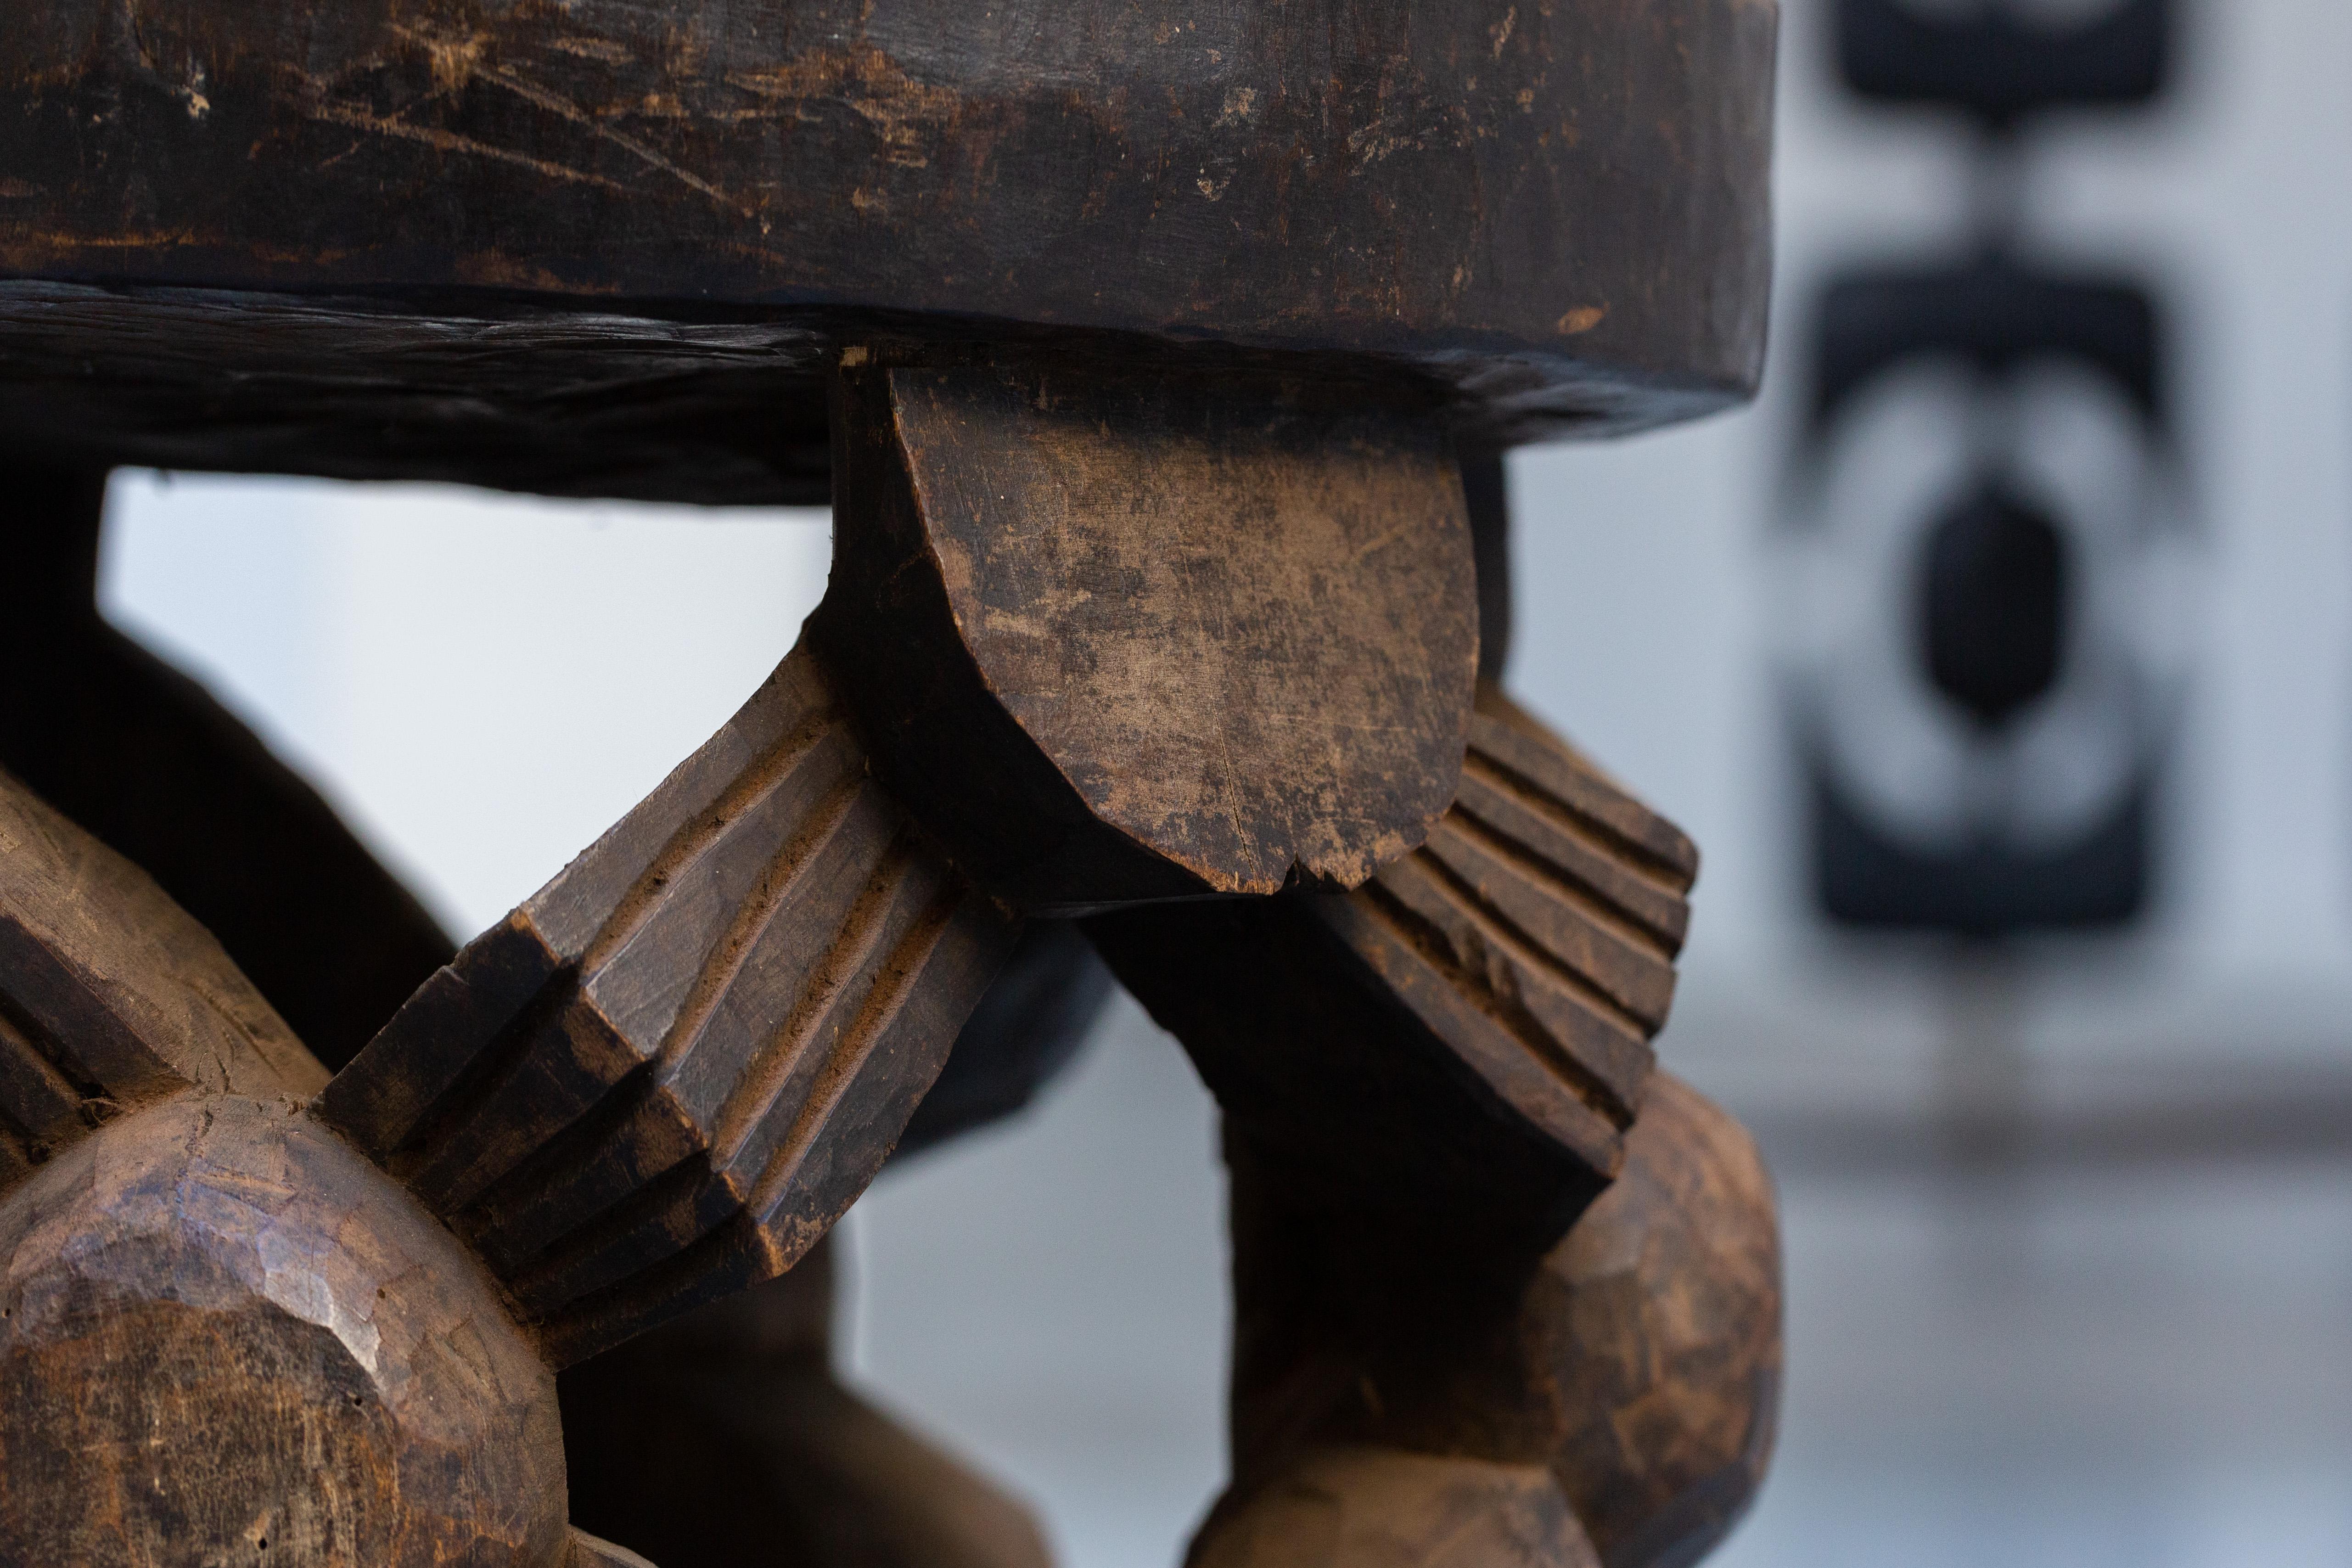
column 607, row 248
column 1154, row 360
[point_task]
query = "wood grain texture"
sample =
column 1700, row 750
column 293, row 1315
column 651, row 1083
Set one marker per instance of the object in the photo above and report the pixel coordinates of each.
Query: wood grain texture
column 1655, row 1329
column 1429, row 1086
column 111, row 997
column 670, row 1071
column 1378, row 1507
column 1635, row 1364
column 224, row 1334
column 1026, row 1032
column 144, row 760
column 228, row 1338
column 1112, row 640
column 585, row 399
column 589, row 1552
column 724, row 1438
column 1559, row 214
column 1472, row 1026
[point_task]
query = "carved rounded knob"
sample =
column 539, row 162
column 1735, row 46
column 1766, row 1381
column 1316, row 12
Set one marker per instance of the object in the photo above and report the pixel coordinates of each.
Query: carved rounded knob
column 228, row 1338
column 1356, row 1507
column 1657, row 1325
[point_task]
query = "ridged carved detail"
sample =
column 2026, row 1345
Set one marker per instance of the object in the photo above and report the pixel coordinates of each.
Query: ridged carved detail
column 41, row 1110
column 668, row 1072
column 1465, row 1034
column 1536, row 932
column 111, row 997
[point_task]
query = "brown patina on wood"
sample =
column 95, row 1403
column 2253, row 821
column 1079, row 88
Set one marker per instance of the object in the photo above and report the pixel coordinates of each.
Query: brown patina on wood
column 670, row 1071
column 1556, row 214
column 1470, row 1030
column 220, row 1329
column 1371, row 1507
column 1629, row 1375
column 111, row 998
column 1495, row 1279
column 1117, row 640
column 151, row 764
column 1652, row 1336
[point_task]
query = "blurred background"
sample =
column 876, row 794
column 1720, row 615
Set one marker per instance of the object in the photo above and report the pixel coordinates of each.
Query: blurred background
column 2000, row 660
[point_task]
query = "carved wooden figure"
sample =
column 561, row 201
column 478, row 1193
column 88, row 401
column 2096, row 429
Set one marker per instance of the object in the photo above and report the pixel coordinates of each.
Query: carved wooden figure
column 1501, row 1290
column 1138, row 352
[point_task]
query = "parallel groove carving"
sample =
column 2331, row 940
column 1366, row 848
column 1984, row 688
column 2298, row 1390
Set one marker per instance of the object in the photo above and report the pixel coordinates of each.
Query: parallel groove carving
column 1477, row 1016
column 1504, row 738
column 672, row 1069
column 40, row 1109
column 1580, row 931
column 1547, row 1010
column 1548, row 906
column 747, row 1132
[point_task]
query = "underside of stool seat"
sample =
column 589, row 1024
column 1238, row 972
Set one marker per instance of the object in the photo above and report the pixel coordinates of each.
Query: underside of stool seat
column 609, row 248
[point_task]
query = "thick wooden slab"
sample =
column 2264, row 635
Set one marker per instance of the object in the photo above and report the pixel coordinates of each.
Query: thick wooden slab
column 1112, row 639
column 577, row 398
column 1557, row 215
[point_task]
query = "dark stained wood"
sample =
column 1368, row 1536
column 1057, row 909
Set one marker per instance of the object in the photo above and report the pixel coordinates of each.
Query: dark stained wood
column 226, row 1332
column 1486, row 495
column 1637, row 1360
column 1654, row 1333
column 1470, row 1028
column 1425, row 1083
column 112, row 998
column 672, row 1069
column 724, row 1438
column 1112, row 640
column 1379, row 1508
column 1556, row 214
column 225, row 1337
column 1025, row 1033
column 1148, row 341
column 589, row 1552
column 142, row 758
column 584, row 399
column 145, row 760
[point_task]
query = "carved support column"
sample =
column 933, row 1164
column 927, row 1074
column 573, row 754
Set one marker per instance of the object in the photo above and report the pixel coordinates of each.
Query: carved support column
column 1088, row 645
column 1144, row 352
column 1116, row 640
column 1451, row 1327
column 669, row 1072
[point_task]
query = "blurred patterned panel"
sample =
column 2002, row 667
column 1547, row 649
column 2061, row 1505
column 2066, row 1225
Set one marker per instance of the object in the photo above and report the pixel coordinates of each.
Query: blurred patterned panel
column 1988, row 597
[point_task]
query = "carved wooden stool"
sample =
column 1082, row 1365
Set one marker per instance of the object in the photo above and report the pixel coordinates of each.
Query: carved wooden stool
column 1139, row 350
